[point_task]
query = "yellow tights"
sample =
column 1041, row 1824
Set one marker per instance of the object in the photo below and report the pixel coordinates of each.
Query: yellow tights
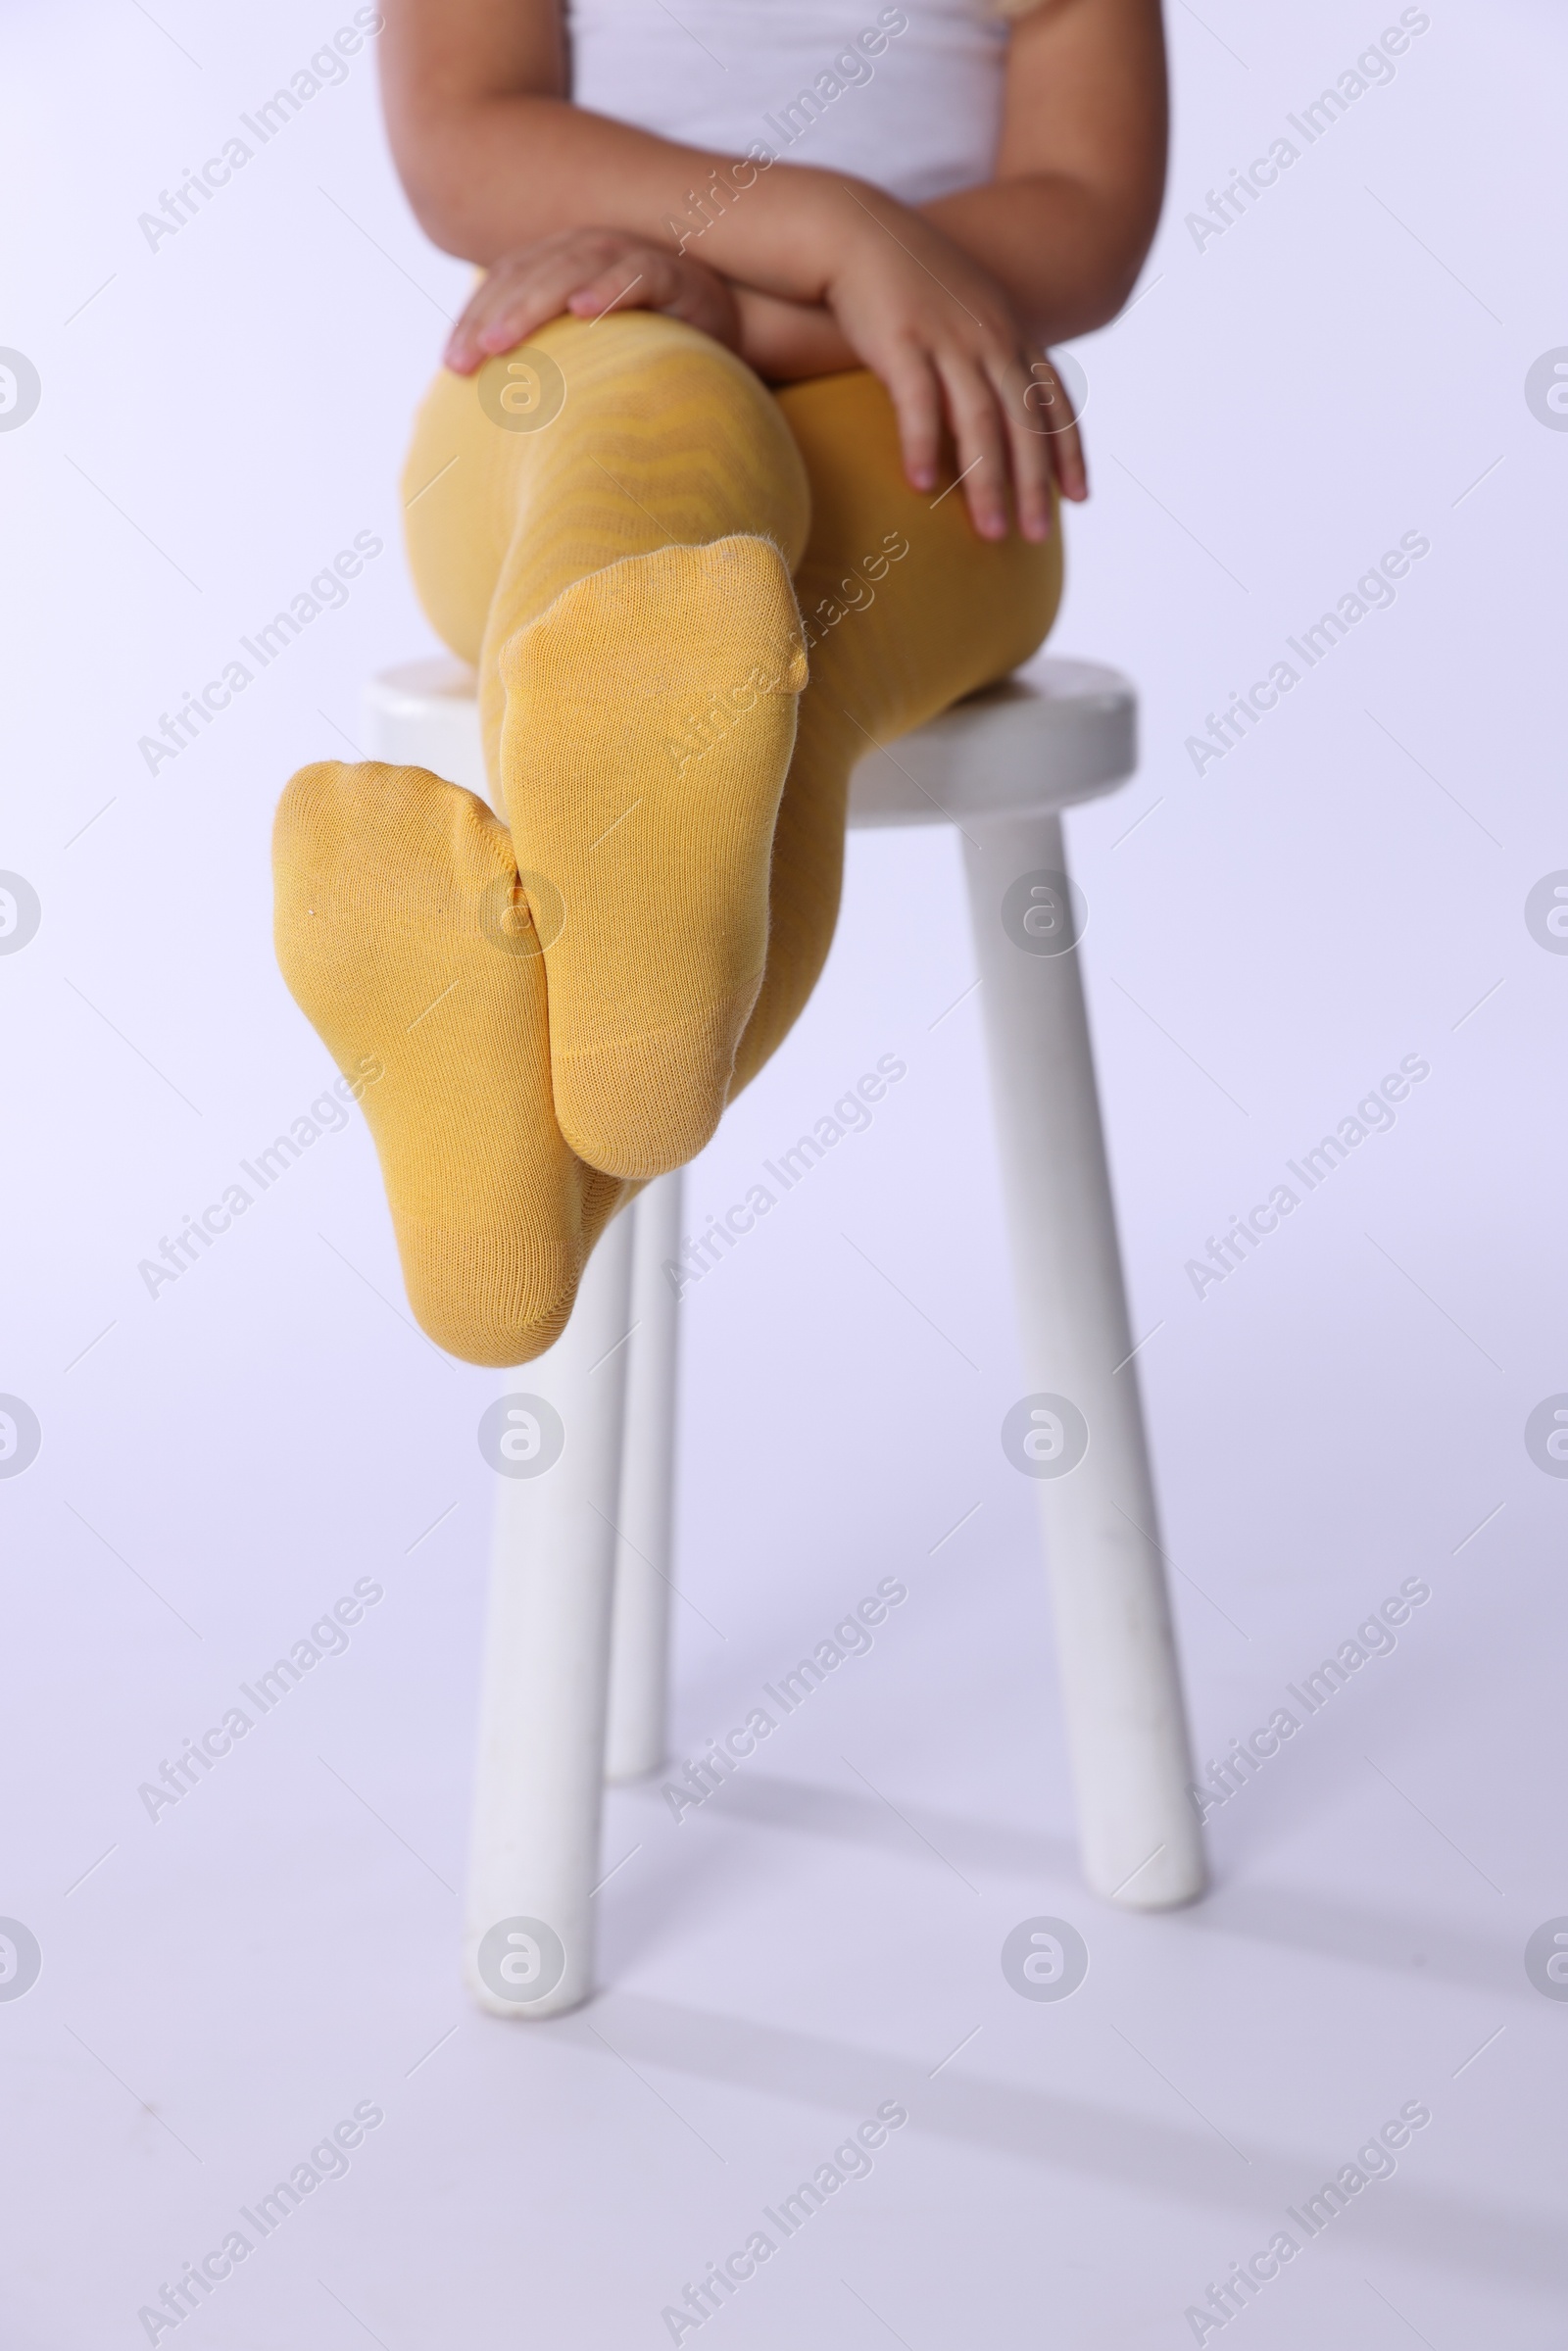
column 691, row 604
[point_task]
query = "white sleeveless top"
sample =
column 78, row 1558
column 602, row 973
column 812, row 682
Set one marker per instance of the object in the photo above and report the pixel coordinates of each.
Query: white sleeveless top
column 908, row 96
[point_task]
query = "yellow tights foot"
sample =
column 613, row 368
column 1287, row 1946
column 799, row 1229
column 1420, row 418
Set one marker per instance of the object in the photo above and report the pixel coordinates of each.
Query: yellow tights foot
column 403, row 936
column 649, row 718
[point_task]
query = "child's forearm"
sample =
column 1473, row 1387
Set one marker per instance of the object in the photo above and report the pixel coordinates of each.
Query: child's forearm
column 498, row 172
column 1067, row 259
column 788, row 341
column 489, row 173
column 494, row 157
column 1065, row 265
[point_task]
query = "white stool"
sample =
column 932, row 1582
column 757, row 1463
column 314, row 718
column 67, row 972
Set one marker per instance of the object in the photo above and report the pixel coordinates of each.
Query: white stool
column 576, row 1652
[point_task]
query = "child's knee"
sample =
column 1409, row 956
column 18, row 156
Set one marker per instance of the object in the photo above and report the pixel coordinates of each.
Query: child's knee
column 688, row 407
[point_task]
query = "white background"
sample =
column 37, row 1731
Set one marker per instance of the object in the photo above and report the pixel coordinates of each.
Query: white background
column 218, row 1464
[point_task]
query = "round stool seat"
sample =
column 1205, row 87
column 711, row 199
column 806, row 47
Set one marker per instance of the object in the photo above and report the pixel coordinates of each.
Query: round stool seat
column 1028, row 746
column 1069, row 731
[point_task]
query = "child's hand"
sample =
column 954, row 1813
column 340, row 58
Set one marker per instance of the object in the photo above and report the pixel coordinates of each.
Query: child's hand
column 941, row 335
column 586, row 271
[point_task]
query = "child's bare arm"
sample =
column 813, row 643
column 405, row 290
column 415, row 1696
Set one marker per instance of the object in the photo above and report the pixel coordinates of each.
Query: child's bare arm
column 1065, row 224
column 1070, row 215
column 945, row 305
column 494, row 155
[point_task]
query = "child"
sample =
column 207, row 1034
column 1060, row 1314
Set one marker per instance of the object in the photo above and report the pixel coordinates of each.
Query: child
column 744, row 457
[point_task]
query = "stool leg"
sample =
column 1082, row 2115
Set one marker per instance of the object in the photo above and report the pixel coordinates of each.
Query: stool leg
column 535, row 1851
column 639, row 1654
column 1121, row 1684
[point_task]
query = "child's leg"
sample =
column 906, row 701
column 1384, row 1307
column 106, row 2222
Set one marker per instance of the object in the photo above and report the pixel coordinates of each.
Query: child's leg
column 620, row 574
column 401, row 926
column 950, row 614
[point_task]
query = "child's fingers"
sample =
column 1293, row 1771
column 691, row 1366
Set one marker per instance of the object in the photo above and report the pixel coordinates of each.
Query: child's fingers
column 913, row 387
column 1072, row 468
column 703, row 300
column 980, row 443
column 645, row 279
column 497, row 315
column 462, row 353
column 637, row 282
column 518, row 297
column 526, row 301
column 1051, row 416
column 1031, row 453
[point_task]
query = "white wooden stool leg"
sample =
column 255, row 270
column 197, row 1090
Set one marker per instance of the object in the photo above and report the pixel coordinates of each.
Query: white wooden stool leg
column 528, row 1945
column 1121, row 1684
column 639, row 1657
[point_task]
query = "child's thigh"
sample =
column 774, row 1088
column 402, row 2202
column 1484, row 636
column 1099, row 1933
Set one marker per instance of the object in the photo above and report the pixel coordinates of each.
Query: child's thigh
column 906, row 608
